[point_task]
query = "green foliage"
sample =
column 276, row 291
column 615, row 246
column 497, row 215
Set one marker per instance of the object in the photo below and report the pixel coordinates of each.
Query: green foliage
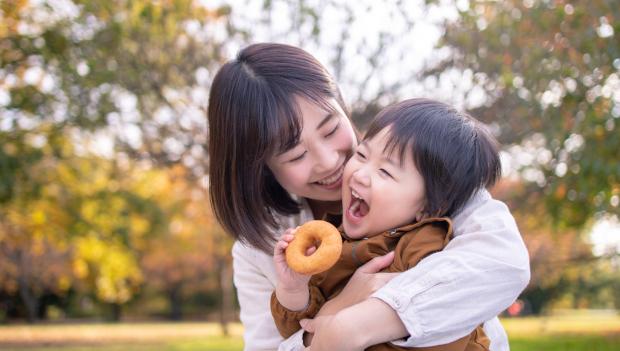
column 97, row 64
column 551, row 73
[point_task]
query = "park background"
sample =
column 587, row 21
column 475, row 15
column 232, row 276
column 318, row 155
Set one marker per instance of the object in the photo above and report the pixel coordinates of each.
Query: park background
column 106, row 235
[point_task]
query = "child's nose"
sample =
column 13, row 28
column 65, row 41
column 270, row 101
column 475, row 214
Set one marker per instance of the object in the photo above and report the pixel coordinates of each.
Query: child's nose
column 361, row 177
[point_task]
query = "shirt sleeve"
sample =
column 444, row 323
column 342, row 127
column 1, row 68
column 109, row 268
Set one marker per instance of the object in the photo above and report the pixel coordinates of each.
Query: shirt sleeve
column 479, row 273
column 254, row 288
column 287, row 321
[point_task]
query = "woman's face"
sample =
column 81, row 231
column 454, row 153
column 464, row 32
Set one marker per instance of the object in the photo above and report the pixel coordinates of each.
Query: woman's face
column 313, row 168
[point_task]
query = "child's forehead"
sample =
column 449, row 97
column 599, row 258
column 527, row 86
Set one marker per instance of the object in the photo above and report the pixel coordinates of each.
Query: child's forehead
column 387, row 144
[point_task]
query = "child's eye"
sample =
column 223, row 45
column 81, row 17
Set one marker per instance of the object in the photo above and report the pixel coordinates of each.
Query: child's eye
column 298, row 157
column 332, row 131
column 360, row 155
column 382, row 170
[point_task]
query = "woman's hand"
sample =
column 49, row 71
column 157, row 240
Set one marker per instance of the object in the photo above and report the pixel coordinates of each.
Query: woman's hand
column 329, row 331
column 364, row 282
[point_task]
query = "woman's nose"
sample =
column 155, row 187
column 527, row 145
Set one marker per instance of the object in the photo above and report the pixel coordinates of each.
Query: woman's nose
column 327, row 158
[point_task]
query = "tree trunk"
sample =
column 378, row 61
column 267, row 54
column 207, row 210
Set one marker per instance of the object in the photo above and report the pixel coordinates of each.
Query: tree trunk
column 30, row 301
column 174, row 297
column 226, row 293
column 25, row 292
column 116, row 310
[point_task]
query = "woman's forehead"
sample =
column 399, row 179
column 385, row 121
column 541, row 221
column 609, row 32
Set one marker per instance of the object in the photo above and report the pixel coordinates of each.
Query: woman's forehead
column 313, row 112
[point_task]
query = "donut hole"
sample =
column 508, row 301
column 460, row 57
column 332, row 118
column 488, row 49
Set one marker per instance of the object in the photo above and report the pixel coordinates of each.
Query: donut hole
column 316, row 243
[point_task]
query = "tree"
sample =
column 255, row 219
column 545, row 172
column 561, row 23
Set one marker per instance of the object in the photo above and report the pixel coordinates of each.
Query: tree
column 549, row 71
column 137, row 71
column 563, row 267
column 181, row 261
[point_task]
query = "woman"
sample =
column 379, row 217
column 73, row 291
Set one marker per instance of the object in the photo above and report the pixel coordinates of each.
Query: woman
column 279, row 139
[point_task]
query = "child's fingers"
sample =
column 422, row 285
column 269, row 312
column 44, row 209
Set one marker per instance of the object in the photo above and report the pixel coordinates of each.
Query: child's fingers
column 310, row 250
column 280, row 247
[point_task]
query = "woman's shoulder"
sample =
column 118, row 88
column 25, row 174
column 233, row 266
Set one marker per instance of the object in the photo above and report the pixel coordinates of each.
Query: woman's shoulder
column 283, row 222
column 245, row 254
column 293, row 220
column 483, row 211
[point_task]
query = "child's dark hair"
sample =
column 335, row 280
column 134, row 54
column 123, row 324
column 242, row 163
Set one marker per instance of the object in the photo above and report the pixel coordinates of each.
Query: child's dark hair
column 454, row 153
column 253, row 114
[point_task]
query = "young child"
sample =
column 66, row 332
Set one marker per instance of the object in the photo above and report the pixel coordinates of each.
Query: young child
column 418, row 164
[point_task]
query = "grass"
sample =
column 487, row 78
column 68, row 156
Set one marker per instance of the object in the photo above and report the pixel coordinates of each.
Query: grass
column 565, row 331
column 571, row 331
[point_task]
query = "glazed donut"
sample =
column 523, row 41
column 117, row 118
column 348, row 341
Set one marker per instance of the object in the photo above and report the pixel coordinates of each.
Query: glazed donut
column 325, row 237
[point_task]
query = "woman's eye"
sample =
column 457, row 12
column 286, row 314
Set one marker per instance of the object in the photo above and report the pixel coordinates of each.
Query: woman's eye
column 385, row 173
column 298, row 157
column 332, row 131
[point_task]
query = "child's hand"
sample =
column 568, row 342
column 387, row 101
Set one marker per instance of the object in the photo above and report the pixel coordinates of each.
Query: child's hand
column 292, row 289
column 287, row 278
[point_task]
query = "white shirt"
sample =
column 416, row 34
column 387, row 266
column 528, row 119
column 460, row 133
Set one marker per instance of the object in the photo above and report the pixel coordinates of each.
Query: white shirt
column 447, row 295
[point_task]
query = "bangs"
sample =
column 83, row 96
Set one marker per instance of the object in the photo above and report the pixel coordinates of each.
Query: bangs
column 285, row 133
column 397, row 142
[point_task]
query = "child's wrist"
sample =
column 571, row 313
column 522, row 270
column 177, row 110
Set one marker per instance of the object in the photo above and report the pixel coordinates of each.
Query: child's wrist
column 296, row 299
column 292, row 288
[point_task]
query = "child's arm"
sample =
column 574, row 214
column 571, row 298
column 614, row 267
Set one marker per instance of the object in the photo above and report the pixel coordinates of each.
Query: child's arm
column 294, row 298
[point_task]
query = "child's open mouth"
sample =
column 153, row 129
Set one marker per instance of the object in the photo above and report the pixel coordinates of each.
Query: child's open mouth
column 359, row 208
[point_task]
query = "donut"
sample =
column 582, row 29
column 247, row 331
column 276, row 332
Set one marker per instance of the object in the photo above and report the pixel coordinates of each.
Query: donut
column 317, row 233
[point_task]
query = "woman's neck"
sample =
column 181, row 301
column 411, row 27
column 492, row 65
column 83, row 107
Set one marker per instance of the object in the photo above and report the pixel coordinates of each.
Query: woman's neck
column 321, row 208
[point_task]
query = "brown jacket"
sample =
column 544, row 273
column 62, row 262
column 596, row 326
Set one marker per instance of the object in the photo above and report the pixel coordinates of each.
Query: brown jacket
column 411, row 244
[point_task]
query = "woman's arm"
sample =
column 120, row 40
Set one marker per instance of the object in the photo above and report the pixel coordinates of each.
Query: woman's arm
column 255, row 279
column 254, row 290
column 448, row 294
column 375, row 321
column 364, row 282
column 478, row 275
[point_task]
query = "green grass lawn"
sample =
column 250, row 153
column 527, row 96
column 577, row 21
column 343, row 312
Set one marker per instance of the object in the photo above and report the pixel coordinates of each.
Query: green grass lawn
column 574, row 331
column 568, row 331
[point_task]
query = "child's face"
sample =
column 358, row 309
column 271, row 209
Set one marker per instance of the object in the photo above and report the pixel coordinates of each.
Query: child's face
column 313, row 168
column 379, row 193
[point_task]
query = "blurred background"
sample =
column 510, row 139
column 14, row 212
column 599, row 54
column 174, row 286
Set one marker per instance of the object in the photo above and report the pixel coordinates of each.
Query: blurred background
column 104, row 211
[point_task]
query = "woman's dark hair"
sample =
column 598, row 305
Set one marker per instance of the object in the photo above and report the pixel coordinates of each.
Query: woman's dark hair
column 454, row 153
column 252, row 115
